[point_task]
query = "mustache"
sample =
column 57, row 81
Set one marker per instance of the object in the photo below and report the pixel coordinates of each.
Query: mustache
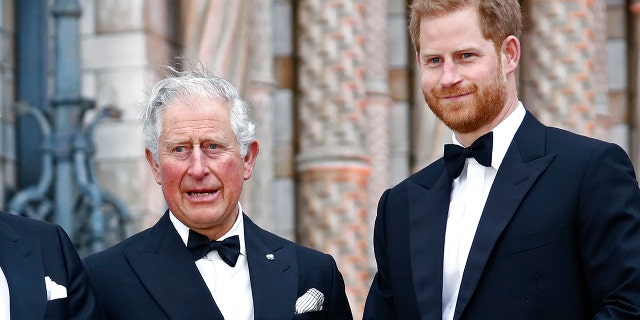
column 453, row 91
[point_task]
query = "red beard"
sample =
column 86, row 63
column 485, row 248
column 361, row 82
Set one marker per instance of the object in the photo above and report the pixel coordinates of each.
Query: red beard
column 468, row 116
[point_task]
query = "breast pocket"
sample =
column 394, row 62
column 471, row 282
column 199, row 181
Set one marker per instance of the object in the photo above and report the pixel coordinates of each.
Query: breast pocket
column 309, row 316
column 57, row 309
column 535, row 240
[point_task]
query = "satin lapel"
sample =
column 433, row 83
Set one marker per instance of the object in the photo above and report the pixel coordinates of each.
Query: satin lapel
column 524, row 162
column 21, row 263
column 168, row 272
column 274, row 283
column 428, row 210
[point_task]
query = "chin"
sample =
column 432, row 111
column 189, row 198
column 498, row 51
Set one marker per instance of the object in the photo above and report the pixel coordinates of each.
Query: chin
column 204, row 219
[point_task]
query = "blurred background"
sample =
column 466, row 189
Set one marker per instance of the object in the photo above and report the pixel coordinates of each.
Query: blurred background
column 333, row 89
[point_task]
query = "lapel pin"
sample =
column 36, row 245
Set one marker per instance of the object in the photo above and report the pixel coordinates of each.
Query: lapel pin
column 270, row 256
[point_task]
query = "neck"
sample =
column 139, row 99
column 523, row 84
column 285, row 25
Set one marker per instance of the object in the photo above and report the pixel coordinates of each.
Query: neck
column 216, row 231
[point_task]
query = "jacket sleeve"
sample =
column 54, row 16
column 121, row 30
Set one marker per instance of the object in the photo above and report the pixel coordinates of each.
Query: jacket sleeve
column 379, row 304
column 82, row 299
column 609, row 234
column 339, row 305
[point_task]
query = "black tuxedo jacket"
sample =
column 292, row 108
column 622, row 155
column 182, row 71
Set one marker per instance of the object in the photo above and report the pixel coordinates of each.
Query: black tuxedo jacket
column 559, row 237
column 153, row 276
column 30, row 250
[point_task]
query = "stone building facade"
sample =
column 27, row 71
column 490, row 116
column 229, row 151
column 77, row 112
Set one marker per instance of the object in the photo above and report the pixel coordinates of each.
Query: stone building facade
column 333, row 87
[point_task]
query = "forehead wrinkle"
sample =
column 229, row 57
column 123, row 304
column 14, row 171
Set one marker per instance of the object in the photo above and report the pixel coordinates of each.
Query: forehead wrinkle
column 208, row 136
column 194, row 125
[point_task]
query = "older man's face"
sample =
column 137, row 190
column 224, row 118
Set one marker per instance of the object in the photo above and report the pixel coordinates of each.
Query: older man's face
column 199, row 165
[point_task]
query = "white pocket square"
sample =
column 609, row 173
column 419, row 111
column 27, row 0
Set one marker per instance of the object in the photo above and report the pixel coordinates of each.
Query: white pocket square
column 54, row 290
column 312, row 300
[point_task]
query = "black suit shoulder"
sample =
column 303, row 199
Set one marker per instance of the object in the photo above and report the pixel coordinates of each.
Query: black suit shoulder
column 425, row 177
column 581, row 155
column 560, row 139
column 303, row 253
column 133, row 242
column 55, row 244
column 23, row 225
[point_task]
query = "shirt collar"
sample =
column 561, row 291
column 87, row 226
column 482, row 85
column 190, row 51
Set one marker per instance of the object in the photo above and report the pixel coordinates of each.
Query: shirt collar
column 503, row 133
column 236, row 229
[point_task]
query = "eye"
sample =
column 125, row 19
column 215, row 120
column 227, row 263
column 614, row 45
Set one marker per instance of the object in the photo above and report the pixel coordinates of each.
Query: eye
column 180, row 149
column 434, row 60
column 467, row 55
column 212, row 146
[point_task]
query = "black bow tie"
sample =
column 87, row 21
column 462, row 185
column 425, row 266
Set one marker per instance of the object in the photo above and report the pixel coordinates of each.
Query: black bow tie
column 200, row 245
column 455, row 155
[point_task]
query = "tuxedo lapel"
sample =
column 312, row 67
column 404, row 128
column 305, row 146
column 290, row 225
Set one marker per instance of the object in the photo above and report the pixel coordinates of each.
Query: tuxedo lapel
column 274, row 278
column 524, row 161
column 169, row 273
column 428, row 211
column 21, row 263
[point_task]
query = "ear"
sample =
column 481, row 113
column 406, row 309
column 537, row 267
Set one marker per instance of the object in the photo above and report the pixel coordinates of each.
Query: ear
column 250, row 159
column 155, row 168
column 510, row 54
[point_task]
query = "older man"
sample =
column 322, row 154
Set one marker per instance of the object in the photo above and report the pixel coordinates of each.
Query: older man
column 205, row 259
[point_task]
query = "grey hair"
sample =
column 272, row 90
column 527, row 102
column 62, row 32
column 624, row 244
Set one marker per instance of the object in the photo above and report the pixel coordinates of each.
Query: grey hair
column 184, row 86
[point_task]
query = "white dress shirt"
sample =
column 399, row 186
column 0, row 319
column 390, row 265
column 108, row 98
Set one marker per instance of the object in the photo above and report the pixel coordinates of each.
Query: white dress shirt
column 4, row 297
column 229, row 286
column 468, row 196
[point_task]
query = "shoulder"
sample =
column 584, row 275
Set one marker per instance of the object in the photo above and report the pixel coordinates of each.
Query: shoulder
column 425, row 177
column 16, row 226
column 118, row 250
column 24, row 223
column 556, row 140
column 150, row 239
column 313, row 259
column 578, row 148
column 46, row 239
column 309, row 254
column 565, row 138
column 304, row 254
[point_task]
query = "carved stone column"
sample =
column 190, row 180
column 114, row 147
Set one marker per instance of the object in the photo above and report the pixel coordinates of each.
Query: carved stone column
column 561, row 63
column 257, row 197
column 217, row 33
column 377, row 108
column 332, row 161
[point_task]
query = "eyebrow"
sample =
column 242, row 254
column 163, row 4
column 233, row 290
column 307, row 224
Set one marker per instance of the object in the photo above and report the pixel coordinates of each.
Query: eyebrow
column 175, row 141
column 216, row 140
column 462, row 49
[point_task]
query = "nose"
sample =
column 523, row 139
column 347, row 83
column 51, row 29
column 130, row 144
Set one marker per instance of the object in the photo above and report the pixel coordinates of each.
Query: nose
column 197, row 166
column 450, row 74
